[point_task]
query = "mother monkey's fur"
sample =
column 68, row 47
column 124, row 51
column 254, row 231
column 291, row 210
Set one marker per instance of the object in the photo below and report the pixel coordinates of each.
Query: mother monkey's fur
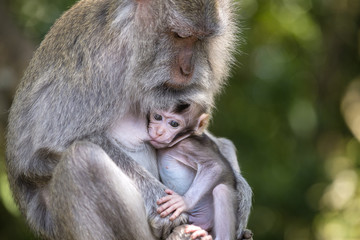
column 104, row 60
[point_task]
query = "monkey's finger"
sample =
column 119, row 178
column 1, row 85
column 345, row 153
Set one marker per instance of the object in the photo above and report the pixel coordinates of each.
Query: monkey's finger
column 208, row 237
column 164, row 199
column 200, row 233
column 176, row 201
column 167, row 211
column 169, row 191
column 166, row 205
column 192, row 228
column 176, row 214
column 166, row 208
column 169, row 198
column 199, row 230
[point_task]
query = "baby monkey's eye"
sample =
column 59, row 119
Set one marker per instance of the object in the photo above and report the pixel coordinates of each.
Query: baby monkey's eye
column 157, row 117
column 174, row 124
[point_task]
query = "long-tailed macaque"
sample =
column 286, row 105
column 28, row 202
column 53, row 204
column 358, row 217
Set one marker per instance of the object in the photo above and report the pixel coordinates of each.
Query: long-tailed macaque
column 201, row 180
column 72, row 172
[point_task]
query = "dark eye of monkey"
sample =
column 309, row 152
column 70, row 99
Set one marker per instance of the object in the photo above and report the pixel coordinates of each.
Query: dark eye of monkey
column 174, row 123
column 157, row 117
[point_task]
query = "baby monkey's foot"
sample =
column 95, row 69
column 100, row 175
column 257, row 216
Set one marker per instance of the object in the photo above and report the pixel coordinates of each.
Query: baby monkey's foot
column 197, row 233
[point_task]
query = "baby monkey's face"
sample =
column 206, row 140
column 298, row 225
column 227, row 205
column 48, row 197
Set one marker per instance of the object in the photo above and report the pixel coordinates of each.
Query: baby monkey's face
column 164, row 127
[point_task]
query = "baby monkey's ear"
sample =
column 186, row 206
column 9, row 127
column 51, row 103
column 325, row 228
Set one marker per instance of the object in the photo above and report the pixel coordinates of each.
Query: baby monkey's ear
column 202, row 123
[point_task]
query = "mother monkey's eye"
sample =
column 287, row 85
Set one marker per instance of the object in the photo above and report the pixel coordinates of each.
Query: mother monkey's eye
column 180, row 36
column 157, row 117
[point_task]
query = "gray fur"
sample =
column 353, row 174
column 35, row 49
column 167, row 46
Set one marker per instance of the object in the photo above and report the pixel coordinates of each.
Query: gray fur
column 101, row 60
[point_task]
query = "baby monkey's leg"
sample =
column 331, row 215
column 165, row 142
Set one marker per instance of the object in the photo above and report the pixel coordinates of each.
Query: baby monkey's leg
column 224, row 212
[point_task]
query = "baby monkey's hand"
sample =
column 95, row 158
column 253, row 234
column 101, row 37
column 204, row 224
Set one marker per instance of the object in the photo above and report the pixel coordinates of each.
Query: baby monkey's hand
column 173, row 202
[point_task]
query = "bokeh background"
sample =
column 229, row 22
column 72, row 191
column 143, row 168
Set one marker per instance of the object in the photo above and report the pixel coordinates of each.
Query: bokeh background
column 292, row 108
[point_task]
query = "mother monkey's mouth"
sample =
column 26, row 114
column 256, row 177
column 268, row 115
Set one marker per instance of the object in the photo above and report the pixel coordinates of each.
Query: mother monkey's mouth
column 169, row 88
column 176, row 86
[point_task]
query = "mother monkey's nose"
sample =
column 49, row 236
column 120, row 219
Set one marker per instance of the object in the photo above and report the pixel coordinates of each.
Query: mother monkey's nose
column 186, row 62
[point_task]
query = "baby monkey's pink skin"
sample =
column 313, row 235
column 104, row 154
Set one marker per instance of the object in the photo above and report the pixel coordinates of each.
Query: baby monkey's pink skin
column 163, row 127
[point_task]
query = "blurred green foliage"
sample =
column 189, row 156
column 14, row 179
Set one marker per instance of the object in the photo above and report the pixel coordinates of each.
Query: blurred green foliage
column 292, row 109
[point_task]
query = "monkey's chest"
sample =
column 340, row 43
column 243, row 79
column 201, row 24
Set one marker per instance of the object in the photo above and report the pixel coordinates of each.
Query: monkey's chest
column 174, row 174
column 145, row 156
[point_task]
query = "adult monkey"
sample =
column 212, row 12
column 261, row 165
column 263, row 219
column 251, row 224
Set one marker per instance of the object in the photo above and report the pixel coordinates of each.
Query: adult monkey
column 104, row 60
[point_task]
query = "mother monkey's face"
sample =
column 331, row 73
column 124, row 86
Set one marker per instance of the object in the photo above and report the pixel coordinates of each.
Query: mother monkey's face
column 181, row 50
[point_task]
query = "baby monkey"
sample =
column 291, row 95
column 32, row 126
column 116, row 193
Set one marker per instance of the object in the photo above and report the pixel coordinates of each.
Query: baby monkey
column 200, row 180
